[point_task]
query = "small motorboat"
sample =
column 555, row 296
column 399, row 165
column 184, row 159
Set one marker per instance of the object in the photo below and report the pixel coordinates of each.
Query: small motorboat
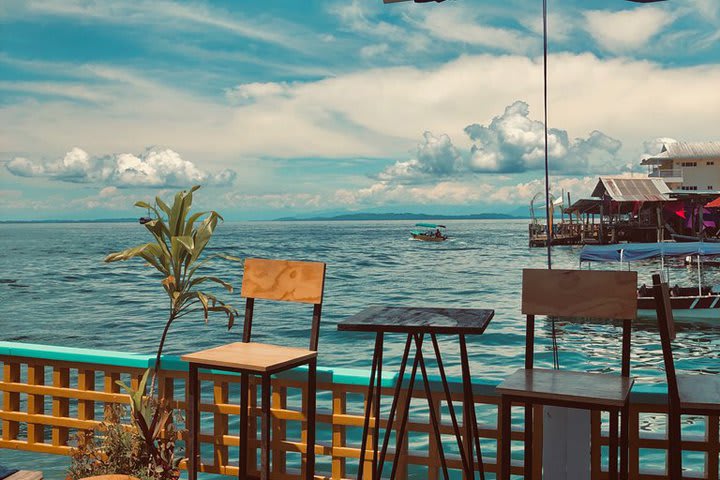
column 144, row 220
column 429, row 232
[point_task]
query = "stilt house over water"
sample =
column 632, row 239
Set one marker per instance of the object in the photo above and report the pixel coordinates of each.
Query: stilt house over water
column 687, row 167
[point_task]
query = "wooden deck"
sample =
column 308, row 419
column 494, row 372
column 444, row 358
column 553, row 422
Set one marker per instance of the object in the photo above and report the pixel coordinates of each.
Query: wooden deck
column 25, row 475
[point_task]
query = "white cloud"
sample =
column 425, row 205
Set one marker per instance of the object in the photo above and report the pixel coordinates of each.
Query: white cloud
column 456, row 23
column 627, row 29
column 160, row 15
column 435, row 157
column 369, row 113
column 274, row 200
column 250, row 92
column 374, row 50
column 153, row 168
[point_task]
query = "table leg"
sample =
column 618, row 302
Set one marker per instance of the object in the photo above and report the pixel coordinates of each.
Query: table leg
column 505, row 437
column 368, row 405
column 311, row 410
column 433, row 417
column 469, row 414
column 624, row 442
column 393, row 407
column 466, row 449
column 265, row 429
column 244, row 440
column 613, row 444
column 403, row 423
column 528, row 440
column 193, row 394
column 378, row 400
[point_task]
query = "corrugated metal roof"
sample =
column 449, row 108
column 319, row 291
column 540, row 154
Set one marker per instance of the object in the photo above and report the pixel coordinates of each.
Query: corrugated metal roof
column 633, row 189
column 686, row 151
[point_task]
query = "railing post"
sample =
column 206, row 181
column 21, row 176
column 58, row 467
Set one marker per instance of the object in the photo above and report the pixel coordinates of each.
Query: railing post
column 35, row 403
column 11, row 400
column 86, row 382
column 712, row 437
column 60, row 406
column 433, row 447
column 279, row 402
column 220, row 424
column 339, row 407
column 634, row 442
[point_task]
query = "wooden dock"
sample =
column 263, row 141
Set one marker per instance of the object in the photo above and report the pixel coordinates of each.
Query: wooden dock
column 25, row 475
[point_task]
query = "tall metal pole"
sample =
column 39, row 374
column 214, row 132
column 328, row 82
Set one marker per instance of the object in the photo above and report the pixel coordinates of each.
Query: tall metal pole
column 547, row 170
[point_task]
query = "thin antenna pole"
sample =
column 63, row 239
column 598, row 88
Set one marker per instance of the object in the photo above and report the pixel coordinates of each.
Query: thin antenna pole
column 547, row 170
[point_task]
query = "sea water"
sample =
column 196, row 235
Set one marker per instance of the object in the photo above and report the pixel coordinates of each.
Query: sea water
column 55, row 289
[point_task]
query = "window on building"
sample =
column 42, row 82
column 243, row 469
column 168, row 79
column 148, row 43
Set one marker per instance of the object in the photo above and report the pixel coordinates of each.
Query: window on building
column 689, row 164
column 710, row 187
column 711, row 163
column 689, row 187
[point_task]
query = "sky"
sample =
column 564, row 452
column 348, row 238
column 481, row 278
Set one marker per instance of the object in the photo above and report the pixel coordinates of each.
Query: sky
column 283, row 108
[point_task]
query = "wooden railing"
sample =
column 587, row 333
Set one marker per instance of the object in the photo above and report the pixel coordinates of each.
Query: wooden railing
column 48, row 393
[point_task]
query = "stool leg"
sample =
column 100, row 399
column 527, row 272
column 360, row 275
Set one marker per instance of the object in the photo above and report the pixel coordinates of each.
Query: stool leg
column 193, row 393
column 311, row 409
column 528, row 460
column 625, row 442
column 244, row 441
column 265, row 432
column 369, row 404
column 506, row 421
column 613, row 444
column 674, row 463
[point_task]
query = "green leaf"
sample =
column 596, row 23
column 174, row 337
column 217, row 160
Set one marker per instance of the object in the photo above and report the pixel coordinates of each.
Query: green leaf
column 163, row 206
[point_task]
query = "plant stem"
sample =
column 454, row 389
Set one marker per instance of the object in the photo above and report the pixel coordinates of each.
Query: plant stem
column 160, row 349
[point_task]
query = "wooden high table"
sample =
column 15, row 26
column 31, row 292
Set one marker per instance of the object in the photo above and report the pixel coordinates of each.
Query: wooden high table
column 416, row 322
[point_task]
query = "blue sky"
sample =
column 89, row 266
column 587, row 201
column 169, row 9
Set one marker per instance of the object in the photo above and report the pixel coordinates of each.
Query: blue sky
column 284, row 107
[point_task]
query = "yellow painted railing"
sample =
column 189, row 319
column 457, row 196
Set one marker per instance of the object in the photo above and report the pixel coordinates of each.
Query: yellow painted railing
column 48, row 393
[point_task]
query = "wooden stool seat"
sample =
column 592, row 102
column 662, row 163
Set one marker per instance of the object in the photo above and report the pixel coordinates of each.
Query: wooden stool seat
column 568, row 386
column 252, row 357
column 699, row 392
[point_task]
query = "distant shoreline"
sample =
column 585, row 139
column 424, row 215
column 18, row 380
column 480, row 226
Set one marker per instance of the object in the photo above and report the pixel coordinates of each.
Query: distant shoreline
column 400, row 216
column 99, row 220
column 349, row 217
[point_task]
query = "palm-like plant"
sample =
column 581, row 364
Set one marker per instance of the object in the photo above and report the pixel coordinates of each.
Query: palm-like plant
column 179, row 241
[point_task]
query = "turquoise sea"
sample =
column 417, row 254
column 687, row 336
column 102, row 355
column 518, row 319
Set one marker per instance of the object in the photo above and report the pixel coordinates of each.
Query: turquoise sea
column 55, row 289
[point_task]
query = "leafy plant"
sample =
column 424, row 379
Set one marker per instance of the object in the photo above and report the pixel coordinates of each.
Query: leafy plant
column 146, row 448
column 117, row 448
column 179, row 241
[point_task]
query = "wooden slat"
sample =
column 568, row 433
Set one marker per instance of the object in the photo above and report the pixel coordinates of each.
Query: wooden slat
column 580, row 293
column 279, row 429
column 61, row 392
column 284, row 280
column 220, row 424
column 256, row 357
column 25, row 475
column 86, row 383
column 35, row 403
column 712, row 436
column 60, row 405
column 339, row 404
column 11, row 401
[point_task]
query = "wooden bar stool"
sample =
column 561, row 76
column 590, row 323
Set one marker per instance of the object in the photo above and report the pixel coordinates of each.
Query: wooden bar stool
column 278, row 280
column 573, row 295
column 687, row 394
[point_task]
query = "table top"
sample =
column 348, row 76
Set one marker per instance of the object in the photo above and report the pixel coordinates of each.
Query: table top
column 379, row 318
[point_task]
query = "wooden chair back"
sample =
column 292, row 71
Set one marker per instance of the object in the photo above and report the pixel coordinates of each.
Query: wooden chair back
column 285, row 281
column 578, row 294
column 666, row 325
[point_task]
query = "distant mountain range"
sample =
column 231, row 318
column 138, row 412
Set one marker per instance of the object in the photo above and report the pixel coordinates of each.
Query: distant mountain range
column 399, row 216
column 97, row 220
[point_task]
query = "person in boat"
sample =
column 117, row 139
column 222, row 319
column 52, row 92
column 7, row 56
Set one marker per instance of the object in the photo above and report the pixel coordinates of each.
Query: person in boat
column 437, row 233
